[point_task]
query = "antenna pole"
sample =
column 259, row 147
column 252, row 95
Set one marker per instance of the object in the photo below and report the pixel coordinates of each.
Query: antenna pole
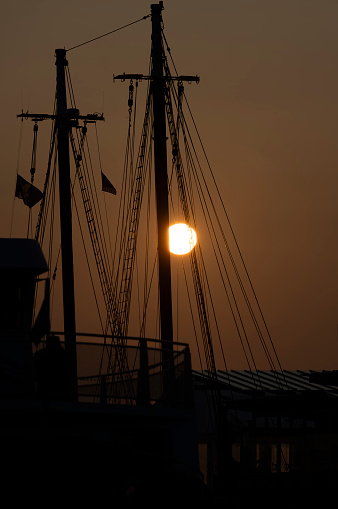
column 62, row 124
column 161, row 186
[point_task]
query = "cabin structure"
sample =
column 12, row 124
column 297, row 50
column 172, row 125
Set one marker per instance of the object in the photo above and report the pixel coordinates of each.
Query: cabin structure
column 21, row 263
column 279, row 431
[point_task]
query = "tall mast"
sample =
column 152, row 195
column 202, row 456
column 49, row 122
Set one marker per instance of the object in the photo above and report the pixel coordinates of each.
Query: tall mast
column 65, row 213
column 159, row 81
column 161, row 187
column 161, row 177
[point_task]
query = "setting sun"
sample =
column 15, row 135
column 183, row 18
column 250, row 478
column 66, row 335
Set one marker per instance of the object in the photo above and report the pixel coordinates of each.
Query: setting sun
column 182, row 239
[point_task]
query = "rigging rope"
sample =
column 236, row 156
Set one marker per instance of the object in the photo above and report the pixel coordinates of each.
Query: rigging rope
column 104, row 197
column 16, row 177
column 90, row 197
column 108, row 33
column 32, row 170
column 235, row 239
column 87, row 259
column 44, row 194
column 129, row 231
column 245, row 295
column 201, row 303
column 133, row 187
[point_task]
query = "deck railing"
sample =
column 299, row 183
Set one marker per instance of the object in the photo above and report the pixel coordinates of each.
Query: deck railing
column 141, row 379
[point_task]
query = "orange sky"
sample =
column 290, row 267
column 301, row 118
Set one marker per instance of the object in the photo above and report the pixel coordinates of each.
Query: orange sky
column 266, row 109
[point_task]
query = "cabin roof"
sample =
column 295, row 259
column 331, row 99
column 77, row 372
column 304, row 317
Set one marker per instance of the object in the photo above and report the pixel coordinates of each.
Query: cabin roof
column 250, row 382
column 22, row 254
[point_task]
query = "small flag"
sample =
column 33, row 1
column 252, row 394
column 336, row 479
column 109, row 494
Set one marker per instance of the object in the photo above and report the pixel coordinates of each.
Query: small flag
column 27, row 192
column 107, row 186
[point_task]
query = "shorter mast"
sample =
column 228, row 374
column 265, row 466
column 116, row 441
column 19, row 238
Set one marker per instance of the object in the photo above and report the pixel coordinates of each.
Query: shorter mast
column 64, row 118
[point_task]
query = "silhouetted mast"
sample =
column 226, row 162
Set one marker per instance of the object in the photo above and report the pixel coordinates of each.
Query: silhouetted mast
column 159, row 81
column 161, row 179
column 63, row 118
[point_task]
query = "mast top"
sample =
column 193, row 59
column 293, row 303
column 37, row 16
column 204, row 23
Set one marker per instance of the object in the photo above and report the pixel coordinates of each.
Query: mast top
column 157, row 6
column 61, row 53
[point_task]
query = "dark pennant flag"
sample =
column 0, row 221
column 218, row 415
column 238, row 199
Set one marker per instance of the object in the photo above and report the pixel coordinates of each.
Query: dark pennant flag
column 107, row 186
column 27, row 192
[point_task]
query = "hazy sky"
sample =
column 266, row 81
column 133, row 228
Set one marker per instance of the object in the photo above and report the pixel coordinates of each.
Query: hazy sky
column 267, row 112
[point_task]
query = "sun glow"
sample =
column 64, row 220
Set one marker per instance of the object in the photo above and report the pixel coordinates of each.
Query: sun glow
column 182, row 239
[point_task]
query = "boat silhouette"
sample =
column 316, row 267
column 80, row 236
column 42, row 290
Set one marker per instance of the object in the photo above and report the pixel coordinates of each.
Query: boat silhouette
column 114, row 412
